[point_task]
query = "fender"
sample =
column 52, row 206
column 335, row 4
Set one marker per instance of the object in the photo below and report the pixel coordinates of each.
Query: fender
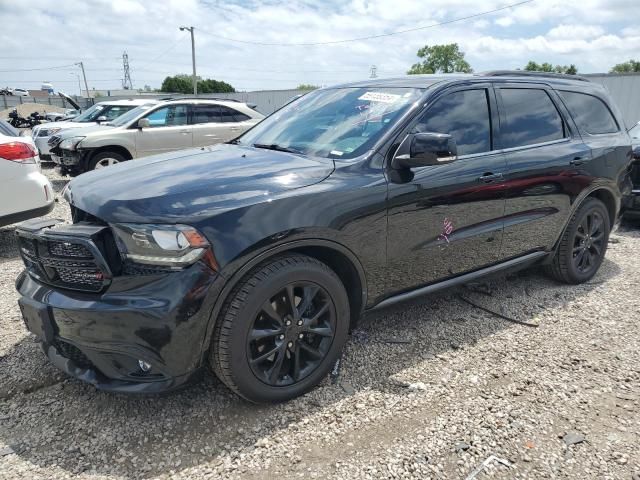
column 228, row 280
column 579, row 200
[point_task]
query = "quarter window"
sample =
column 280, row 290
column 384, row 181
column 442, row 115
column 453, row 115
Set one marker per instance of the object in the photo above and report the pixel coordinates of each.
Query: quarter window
column 465, row 116
column 530, row 117
column 231, row 115
column 589, row 112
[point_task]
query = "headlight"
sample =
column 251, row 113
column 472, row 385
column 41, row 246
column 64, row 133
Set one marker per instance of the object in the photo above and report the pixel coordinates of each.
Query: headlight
column 71, row 143
column 164, row 245
column 47, row 132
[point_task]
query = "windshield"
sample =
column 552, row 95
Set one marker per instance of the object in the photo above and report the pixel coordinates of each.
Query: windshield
column 333, row 123
column 130, row 115
column 111, row 112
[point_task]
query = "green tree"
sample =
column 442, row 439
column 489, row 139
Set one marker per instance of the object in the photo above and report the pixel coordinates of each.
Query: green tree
column 627, row 67
column 306, row 86
column 440, row 59
column 548, row 67
column 183, row 83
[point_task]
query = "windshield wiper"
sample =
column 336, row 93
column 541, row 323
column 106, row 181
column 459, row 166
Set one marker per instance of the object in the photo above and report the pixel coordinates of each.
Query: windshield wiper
column 275, row 146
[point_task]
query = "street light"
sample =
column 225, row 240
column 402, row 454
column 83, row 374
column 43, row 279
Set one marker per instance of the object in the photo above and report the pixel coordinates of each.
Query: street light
column 193, row 58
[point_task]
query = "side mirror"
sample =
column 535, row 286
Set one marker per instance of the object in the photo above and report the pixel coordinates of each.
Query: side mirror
column 424, row 149
column 143, row 123
column 636, row 153
column 101, row 118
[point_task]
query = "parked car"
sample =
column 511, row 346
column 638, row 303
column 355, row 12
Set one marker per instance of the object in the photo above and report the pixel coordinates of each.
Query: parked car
column 151, row 129
column 633, row 206
column 257, row 256
column 68, row 114
column 19, row 92
column 98, row 113
column 25, row 193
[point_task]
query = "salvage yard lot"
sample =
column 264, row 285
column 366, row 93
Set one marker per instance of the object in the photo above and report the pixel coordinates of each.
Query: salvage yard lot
column 427, row 390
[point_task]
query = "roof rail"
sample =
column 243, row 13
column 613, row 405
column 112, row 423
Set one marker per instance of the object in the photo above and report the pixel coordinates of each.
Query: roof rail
column 527, row 73
column 222, row 99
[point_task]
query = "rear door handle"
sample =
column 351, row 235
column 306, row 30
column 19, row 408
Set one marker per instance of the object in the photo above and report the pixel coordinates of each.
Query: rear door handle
column 490, row 177
column 184, row 132
column 577, row 161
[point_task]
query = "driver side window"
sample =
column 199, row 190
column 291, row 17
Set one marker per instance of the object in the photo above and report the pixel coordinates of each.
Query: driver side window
column 465, row 116
column 169, row 116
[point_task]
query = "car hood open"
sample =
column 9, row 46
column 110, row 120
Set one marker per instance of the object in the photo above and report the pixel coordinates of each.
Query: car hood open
column 190, row 185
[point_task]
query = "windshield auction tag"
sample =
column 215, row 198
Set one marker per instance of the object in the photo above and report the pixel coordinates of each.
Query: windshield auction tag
column 380, row 97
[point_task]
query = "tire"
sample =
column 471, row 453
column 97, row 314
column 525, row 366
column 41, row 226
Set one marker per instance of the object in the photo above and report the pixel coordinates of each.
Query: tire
column 583, row 244
column 105, row 159
column 257, row 320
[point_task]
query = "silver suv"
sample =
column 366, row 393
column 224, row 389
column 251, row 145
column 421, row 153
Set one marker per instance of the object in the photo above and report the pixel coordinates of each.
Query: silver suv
column 152, row 129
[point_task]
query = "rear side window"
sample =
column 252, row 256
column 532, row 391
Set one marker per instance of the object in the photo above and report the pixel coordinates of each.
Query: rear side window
column 529, row 117
column 206, row 113
column 231, row 115
column 590, row 113
column 465, row 116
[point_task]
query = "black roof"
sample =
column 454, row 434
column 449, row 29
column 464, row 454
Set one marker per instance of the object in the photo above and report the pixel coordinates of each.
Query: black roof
column 425, row 81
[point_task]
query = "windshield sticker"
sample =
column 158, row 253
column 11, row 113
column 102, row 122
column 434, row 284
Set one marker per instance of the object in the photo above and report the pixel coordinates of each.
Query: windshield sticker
column 336, row 152
column 380, row 97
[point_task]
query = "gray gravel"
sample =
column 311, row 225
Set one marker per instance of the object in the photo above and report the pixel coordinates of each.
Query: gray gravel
column 429, row 390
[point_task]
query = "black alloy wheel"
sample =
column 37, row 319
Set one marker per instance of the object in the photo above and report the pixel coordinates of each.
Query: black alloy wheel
column 281, row 329
column 291, row 334
column 583, row 244
column 588, row 242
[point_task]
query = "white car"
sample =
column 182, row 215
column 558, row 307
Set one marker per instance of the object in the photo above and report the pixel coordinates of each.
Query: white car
column 19, row 92
column 100, row 112
column 24, row 191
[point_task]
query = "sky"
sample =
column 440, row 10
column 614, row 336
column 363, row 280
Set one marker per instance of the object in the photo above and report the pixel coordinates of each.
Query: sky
column 42, row 39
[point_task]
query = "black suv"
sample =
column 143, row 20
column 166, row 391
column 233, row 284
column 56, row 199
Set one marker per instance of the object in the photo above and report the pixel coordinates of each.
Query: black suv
column 256, row 257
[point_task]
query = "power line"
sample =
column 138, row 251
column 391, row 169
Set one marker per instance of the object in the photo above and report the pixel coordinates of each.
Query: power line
column 368, row 37
column 36, row 69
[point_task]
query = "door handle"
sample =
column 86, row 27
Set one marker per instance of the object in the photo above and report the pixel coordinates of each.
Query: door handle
column 234, row 128
column 490, row 177
column 184, row 132
column 577, row 161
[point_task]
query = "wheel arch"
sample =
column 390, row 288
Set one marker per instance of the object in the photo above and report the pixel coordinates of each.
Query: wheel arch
column 338, row 257
column 107, row 148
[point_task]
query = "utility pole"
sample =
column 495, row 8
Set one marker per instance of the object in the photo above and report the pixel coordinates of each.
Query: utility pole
column 84, row 75
column 127, row 84
column 193, row 58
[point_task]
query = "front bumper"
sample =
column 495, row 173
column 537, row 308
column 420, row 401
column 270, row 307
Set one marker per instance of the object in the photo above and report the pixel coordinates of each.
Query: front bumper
column 99, row 338
column 632, row 205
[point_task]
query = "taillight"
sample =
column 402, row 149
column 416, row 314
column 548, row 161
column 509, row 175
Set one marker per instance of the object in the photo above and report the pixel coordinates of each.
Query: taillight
column 18, row 152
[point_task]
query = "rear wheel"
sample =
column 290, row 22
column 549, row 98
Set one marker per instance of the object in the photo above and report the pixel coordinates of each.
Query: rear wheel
column 105, row 159
column 583, row 244
column 281, row 329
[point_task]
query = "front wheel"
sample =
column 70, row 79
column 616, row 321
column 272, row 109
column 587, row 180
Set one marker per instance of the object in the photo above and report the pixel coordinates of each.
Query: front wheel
column 105, row 159
column 583, row 244
column 281, row 329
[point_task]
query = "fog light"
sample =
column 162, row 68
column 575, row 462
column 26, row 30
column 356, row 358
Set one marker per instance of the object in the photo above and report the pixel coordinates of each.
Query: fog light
column 144, row 366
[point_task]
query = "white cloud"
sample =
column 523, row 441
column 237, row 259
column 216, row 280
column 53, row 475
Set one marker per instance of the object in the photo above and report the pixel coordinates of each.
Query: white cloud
column 581, row 32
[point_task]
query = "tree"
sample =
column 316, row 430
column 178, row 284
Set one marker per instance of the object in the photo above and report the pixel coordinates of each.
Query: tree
column 627, row 67
column 306, row 86
column 183, row 83
column 440, row 59
column 548, row 67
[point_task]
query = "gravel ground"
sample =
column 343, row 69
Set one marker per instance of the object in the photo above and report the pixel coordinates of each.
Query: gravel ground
column 429, row 390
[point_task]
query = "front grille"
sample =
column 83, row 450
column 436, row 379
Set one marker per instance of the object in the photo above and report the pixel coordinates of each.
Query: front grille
column 67, row 249
column 72, row 353
column 64, row 263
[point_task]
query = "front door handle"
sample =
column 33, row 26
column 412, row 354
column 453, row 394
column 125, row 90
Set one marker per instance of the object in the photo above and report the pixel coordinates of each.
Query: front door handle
column 490, row 177
column 577, row 161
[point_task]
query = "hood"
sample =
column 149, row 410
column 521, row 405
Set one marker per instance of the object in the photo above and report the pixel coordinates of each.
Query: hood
column 70, row 100
column 65, row 125
column 87, row 127
column 191, row 185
